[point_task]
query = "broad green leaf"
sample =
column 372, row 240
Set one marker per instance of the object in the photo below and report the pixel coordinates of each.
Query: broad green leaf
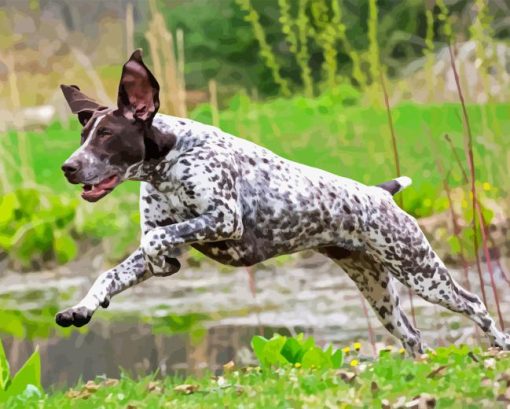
column 291, row 350
column 337, row 359
column 305, row 347
column 8, row 204
column 315, row 357
column 4, row 368
column 258, row 343
column 272, row 351
column 29, row 374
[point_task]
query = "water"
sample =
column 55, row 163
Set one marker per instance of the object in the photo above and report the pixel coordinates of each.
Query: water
column 197, row 320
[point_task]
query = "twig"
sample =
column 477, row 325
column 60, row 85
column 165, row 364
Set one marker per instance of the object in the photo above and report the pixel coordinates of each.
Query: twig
column 475, row 205
column 371, row 335
column 484, row 222
column 253, row 291
column 456, row 228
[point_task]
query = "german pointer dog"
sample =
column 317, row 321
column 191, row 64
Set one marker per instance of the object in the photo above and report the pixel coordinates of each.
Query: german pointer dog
column 241, row 204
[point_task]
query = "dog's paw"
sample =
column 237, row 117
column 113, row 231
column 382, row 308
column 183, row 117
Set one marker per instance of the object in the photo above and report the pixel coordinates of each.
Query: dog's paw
column 502, row 342
column 77, row 316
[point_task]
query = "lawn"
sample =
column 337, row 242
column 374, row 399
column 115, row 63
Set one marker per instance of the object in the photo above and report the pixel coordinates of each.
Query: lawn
column 454, row 377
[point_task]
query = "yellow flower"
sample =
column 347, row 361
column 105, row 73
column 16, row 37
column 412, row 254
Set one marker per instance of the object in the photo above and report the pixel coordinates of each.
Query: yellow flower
column 346, row 350
column 486, row 186
column 402, row 350
column 354, row 362
column 357, row 346
column 297, row 365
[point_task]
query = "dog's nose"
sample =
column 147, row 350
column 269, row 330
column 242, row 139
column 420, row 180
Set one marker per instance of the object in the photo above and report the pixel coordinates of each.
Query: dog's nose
column 70, row 168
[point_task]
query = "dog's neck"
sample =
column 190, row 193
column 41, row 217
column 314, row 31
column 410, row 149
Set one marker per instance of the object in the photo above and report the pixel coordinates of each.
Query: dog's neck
column 158, row 144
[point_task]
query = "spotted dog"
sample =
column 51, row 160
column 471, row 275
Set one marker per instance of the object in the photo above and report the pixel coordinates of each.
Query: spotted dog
column 240, row 204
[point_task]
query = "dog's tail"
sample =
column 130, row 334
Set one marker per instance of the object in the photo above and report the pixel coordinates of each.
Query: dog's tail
column 396, row 185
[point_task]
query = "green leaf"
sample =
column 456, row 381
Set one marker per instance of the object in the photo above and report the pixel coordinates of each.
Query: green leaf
column 258, row 343
column 454, row 244
column 306, row 344
column 272, row 351
column 4, row 369
column 8, row 204
column 29, row 374
column 291, row 350
column 337, row 359
column 65, row 248
column 315, row 357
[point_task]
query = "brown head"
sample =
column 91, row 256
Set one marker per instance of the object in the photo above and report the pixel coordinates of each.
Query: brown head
column 114, row 140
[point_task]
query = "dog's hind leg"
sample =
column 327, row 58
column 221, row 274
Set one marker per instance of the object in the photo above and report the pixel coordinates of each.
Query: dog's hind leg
column 378, row 287
column 407, row 254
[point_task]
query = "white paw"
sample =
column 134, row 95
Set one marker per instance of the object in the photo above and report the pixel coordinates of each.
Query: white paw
column 505, row 344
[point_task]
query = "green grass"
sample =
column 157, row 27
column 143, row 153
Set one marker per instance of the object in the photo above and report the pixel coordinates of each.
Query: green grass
column 453, row 377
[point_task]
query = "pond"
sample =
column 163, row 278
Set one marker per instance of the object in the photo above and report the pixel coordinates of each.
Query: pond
column 200, row 318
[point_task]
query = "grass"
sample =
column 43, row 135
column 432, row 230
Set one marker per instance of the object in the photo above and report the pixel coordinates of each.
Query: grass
column 454, row 377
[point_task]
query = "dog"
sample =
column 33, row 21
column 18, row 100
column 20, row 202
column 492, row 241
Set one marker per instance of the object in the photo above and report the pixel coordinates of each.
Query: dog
column 241, row 204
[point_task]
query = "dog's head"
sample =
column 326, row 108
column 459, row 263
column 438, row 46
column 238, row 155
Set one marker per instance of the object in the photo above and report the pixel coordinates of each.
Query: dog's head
column 113, row 139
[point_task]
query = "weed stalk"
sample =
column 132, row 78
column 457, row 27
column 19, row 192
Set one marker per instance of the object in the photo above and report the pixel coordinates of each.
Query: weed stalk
column 266, row 52
column 475, row 205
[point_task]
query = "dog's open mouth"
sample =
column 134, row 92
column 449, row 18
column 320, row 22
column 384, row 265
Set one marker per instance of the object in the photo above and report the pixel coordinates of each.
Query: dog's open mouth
column 92, row 193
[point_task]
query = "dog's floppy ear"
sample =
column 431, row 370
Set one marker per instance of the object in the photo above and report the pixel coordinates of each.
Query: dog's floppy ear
column 138, row 90
column 79, row 103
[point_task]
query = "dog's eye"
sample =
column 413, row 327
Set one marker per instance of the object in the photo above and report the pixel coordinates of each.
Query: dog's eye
column 104, row 132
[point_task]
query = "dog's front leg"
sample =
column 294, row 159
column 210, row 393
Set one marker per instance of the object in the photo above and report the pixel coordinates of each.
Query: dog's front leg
column 206, row 228
column 131, row 271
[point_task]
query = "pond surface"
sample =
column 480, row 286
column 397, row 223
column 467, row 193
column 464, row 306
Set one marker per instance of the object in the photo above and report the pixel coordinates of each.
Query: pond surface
column 200, row 318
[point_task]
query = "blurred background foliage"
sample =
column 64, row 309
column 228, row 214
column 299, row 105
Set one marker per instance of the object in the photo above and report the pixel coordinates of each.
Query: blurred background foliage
column 301, row 77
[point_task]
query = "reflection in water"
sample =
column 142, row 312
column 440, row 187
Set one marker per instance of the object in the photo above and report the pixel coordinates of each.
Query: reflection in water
column 107, row 347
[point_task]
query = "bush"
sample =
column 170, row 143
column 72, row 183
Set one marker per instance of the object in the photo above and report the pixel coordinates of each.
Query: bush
column 36, row 226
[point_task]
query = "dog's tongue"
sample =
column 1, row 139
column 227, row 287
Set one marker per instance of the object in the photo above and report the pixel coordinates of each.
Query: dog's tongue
column 97, row 191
